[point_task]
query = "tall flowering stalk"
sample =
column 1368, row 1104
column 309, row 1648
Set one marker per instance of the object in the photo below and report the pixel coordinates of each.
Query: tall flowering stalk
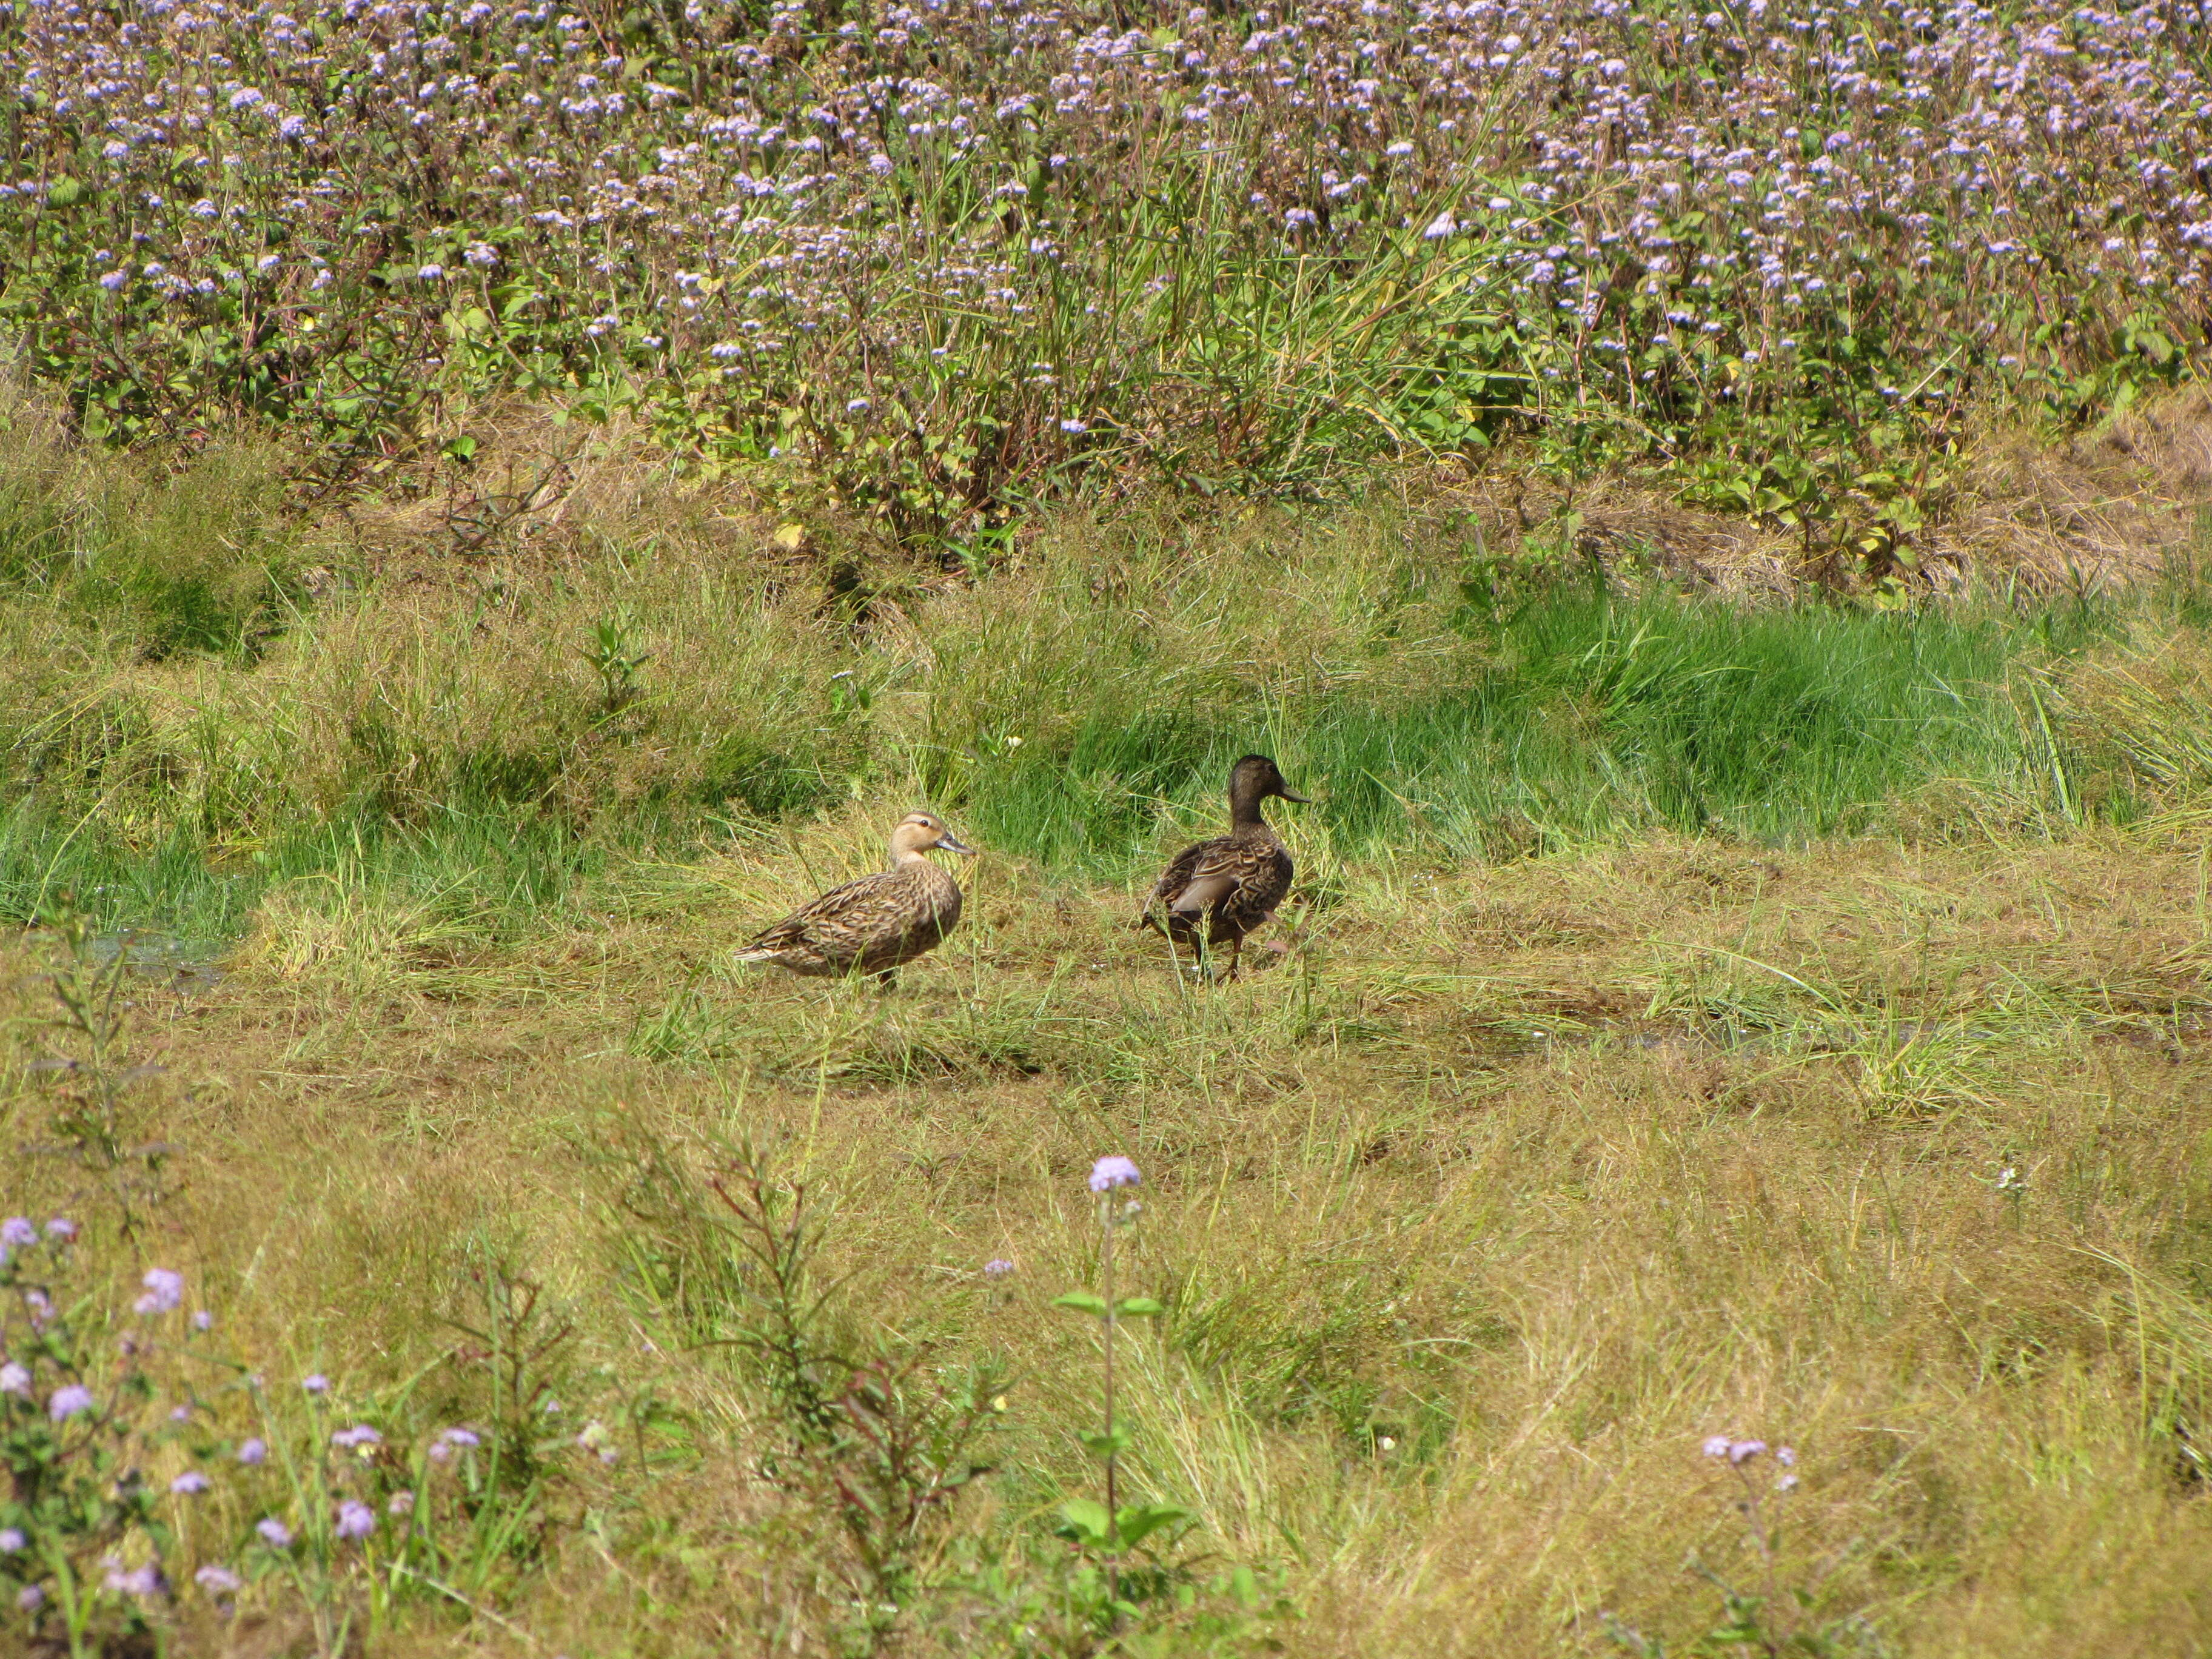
column 1112, row 1529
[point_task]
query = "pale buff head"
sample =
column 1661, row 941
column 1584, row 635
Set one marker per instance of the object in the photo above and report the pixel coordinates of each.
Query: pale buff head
column 918, row 832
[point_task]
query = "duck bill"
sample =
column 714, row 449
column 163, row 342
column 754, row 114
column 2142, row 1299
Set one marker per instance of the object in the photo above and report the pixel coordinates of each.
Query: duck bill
column 952, row 843
column 1303, row 800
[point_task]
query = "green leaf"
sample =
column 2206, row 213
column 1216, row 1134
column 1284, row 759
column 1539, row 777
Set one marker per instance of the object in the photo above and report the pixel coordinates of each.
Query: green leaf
column 1138, row 1522
column 1088, row 1519
column 1110, row 1444
column 1138, row 1307
column 1082, row 1302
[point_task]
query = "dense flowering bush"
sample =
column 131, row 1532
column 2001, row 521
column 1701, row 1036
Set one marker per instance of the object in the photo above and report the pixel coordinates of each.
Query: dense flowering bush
column 946, row 249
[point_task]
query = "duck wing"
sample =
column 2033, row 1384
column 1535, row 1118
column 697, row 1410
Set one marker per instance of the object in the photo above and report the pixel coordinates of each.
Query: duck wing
column 1230, row 876
column 840, row 920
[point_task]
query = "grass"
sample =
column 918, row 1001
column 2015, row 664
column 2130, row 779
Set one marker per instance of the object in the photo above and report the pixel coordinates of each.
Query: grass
column 1673, row 982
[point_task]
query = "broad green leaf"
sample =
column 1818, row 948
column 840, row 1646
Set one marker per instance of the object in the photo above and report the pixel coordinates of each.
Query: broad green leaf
column 1138, row 1522
column 1082, row 1302
column 1134, row 1307
column 1090, row 1520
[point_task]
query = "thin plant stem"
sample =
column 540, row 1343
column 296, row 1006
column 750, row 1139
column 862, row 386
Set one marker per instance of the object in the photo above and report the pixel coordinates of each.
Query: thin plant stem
column 1113, row 1526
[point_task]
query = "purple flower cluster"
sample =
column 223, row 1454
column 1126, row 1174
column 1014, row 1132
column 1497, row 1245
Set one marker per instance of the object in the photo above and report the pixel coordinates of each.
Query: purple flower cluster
column 1680, row 199
column 450, row 1441
column 1741, row 1453
column 1110, row 1172
column 164, row 1292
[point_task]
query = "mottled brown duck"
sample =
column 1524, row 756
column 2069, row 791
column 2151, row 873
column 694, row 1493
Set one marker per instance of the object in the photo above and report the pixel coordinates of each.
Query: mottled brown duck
column 1215, row 893
column 874, row 925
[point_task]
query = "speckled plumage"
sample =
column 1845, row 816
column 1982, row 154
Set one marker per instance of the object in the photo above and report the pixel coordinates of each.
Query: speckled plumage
column 1233, row 883
column 876, row 924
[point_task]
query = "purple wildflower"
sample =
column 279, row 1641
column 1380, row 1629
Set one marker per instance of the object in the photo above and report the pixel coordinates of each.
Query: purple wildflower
column 317, row 1383
column 14, row 1379
column 997, row 1269
column 1741, row 1452
column 1717, row 1445
column 191, row 1484
column 164, row 1291
column 402, row 1503
column 253, row 1452
column 68, row 1401
column 202, row 1321
column 12, row 1541
column 274, row 1532
column 61, row 1229
column 356, row 1436
column 355, row 1520
column 217, row 1580
column 1108, row 1173
column 18, row 1229
column 31, row 1598
column 145, row 1580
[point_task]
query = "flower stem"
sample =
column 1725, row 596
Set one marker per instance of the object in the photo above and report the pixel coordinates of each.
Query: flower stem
column 1113, row 1513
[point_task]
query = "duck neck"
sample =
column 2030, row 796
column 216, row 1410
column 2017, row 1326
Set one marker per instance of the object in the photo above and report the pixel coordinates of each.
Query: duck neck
column 1244, row 809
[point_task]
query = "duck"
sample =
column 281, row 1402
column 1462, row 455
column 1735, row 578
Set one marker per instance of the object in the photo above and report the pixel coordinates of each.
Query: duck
column 1235, row 881
column 878, row 923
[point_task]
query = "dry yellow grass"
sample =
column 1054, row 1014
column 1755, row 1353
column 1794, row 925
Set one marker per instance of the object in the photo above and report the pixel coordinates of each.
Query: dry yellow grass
column 1542, row 1172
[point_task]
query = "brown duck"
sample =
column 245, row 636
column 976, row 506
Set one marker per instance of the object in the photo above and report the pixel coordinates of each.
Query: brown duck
column 1233, row 883
column 874, row 925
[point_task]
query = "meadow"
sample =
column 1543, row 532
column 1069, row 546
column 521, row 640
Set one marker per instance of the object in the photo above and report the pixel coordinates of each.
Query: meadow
column 1699, row 1017
column 498, row 503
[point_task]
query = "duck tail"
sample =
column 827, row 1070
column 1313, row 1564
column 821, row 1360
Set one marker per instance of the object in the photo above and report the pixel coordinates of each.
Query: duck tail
column 757, row 953
column 1146, row 919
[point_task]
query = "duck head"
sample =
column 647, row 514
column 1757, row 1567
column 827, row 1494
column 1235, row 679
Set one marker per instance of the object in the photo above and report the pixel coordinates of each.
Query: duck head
column 918, row 832
column 1251, row 782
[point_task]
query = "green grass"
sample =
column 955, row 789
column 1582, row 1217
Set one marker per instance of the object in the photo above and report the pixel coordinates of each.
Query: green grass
column 1675, row 978
column 1437, row 704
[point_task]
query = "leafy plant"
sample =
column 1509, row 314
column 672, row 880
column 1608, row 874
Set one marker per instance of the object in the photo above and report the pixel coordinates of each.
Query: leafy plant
column 1110, row 1530
column 1768, row 1621
column 870, row 1439
column 83, row 1542
column 90, row 1120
